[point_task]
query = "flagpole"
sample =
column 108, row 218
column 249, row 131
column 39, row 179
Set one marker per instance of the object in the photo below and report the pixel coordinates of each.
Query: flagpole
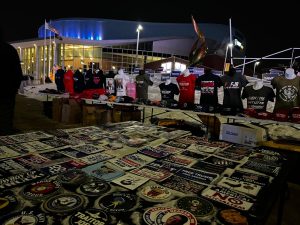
column 49, row 61
column 230, row 32
column 43, row 82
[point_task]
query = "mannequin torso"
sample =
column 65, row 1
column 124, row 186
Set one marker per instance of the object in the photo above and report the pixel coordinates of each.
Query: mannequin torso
column 168, row 81
column 186, row 73
column 290, row 73
column 258, row 85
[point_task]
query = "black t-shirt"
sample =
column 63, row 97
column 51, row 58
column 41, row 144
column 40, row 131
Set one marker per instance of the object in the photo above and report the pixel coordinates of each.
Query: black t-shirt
column 208, row 85
column 78, row 82
column 258, row 99
column 168, row 91
column 232, row 91
column 142, row 83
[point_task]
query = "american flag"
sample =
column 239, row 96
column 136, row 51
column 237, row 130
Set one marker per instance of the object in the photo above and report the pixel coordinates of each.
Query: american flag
column 50, row 27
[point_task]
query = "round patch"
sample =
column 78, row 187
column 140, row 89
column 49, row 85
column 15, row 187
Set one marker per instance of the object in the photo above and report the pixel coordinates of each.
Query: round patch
column 150, row 215
column 63, row 203
column 118, row 202
column 156, row 193
column 199, row 207
column 89, row 216
column 8, row 202
column 72, row 177
column 175, row 216
column 25, row 217
column 232, row 216
column 94, row 188
column 41, row 189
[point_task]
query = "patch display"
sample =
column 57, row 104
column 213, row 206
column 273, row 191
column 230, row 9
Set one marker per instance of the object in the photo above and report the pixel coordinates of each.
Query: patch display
column 25, row 217
column 64, row 203
column 125, row 164
column 19, row 179
column 251, row 178
column 34, row 146
column 240, row 186
column 89, row 216
column 167, row 148
column 94, row 188
column 41, row 189
column 118, row 202
column 202, row 148
column 155, row 193
column 189, row 139
column 231, row 216
column 32, row 160
column 150, row 215
column 179, row 159
column 72, row 177
column 176, row 144
column 114, row 145
column 139, row 158
column 11, row 167
column 104, row 171
column 6, row 152
column 55, row 156
column 62, row 167
column 199, row 207
column 200, row 165
column 72, row 153
column 8, row 203
column 171, row 167
column 221, row 162
column 194, row 155
column 183, row 185
column 262, row 167
column 228, row 197
column 153, row 152
column 272, row 160
column 152, row 173
column 198, row 176
column 88, row 149
column 130, row 181
column 174, row 215
column 232, row 153
column 95, row 158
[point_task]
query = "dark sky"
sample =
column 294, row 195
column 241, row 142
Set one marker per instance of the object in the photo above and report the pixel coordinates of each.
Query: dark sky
column 267, row 29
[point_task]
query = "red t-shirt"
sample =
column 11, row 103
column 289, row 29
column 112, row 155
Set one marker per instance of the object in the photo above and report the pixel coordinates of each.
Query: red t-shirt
column 69, row 82
column 186, row 88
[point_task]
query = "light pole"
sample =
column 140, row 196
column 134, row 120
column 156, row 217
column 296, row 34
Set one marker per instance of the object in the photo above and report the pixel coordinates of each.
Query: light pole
column 139, row 28
column 255, row 64
column 230, row 45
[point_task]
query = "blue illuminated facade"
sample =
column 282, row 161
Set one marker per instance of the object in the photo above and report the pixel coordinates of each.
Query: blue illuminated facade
column 105, row 29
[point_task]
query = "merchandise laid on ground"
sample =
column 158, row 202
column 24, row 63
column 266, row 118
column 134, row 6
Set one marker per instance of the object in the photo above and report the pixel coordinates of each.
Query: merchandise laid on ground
column 130, row 173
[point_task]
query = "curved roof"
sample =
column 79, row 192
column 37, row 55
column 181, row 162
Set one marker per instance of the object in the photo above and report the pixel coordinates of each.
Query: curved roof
column 106, row 29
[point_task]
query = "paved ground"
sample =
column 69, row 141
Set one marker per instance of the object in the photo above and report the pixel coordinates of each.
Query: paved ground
column 29, row 117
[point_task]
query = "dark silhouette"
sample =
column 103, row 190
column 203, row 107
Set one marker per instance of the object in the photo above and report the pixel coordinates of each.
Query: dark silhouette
column 10, row 80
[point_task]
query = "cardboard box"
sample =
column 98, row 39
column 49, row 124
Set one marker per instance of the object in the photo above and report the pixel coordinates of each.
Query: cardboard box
column 103, row 116
column 71, row 112
column 246, row 134
column 57, row 105
column 90, row 114
column 131, row 115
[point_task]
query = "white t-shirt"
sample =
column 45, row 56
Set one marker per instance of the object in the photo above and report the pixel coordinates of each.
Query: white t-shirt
column 121, row 81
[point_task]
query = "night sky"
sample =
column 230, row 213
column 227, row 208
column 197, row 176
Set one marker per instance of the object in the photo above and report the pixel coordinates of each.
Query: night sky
column 267, row 29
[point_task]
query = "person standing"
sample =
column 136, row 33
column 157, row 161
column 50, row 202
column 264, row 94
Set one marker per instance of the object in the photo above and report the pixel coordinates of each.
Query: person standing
column 11, row 77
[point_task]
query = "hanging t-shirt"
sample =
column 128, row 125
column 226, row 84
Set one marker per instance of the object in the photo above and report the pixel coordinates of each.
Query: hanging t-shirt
column 121, row 81
column 88, row 78
column 69, row 82
column 287, row 92
column 131, row 89
column 59, row 80
column 208, row 85
column 142, row 83
column 168, row 91
column 186, row 89
column 232, row 92
column 258, row 99
column 110, row 85
column 78, row 82
column 98, row 80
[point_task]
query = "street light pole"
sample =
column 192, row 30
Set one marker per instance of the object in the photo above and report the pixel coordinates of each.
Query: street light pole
column 230, row 45
column 139, row 28
column 255, row 64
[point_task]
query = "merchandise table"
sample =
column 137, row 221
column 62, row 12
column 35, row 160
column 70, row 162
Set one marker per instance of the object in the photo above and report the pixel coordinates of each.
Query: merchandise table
column 132, row 173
